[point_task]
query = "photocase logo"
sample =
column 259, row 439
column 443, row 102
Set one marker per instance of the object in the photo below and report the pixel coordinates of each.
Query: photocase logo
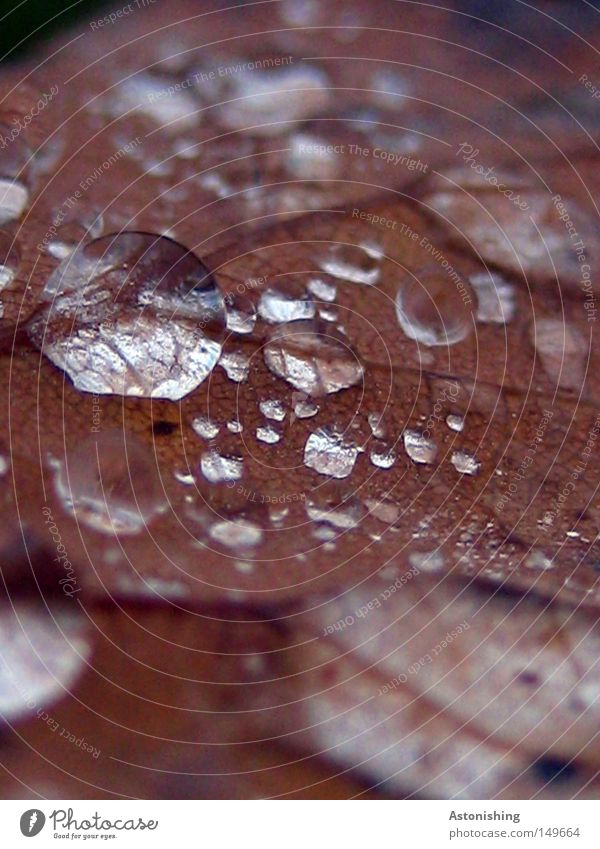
column 32, row 822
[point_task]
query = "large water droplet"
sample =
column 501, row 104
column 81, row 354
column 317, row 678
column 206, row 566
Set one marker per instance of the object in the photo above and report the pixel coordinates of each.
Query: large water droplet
column 268, row 434
column 204, row 427
column 132, row 314
column 316, row 363
column 434, row 309
column 110, row 483
column 329, row 454
column 272, row 409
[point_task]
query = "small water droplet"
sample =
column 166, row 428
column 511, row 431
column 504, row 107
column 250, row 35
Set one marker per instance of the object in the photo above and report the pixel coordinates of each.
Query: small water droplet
column 344, row 515
column 272, row 409
column 536, row 559
column 205, row 428
column 236, row 533
column 235, row 426
column 14, row 197
column 418, row 447
column 322, row 290
column 426, row 561
column 329, row 454
column 352, row 263
column 217, row 468
column 495, row 298
column 434, row 309
column 316, row 363
column 236, row 366
column 241, row 314
column 383, row 458
column 305, row 409
column 110, row 483
column 455, row 422
column 268, row 434
column 276, row 307
column 465, row 463
column 376, row 424
column 385, row 511
column 9, row 259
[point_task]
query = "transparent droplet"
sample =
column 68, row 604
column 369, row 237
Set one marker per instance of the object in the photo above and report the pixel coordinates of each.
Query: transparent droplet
column 236, row 533
column 385, row 511
column 316, row 363
column 383, row 458
column 419, row 448
column 329, row 454
column 465, row 463
column 426, row 561
column 495, row 298
column 14, row 198
column 71, row 227
column 9, row 259
column 352, row 263
column 537, row 559
column 435, row 309
column 277, row 307
column 455, row 422
column 376, row 424
column 268, row 99
column 321, row 289
column 110, row 483
column 272, row 409
column 217, row 468
column 205, row 428
column 236, row 366
column 241, row 314
column 132, row 314
column 344, row 515
column 159, row 97
column 268, row 434
column 235, row 426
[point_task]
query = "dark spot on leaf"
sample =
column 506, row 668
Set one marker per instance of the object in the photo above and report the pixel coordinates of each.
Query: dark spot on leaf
column 550, row 769
column 163, row 428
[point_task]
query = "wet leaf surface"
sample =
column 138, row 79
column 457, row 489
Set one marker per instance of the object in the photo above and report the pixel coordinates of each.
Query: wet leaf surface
column 286, row 321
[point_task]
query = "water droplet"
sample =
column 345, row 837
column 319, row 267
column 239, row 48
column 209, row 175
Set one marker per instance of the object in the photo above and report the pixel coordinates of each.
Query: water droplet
column 305, row 409
column 272, row 410
column 312, row 158
column 561, row 349
column 383, row 458
column 236, row 366
column 385, row 511
column 9, row 259
column 276, row 307
column 110, row 483
column 268, row 434
column 185, row 478
column 236, row 533
column 316, row 363
column 329, row 454
column 352, row 263
column 71, row 227
column 376, row 424
column 536, row 559
column 455, row 422
column 267, row 101
column 426, row 561
column 157, row 96
column 495, row 298
column 418, row 447
column 132, row 314
column 241, row 314
column 322, row 290
column 434, row 309
column 344, row 515
column 205, row 428
column 217, row 468
column 465, row 463
column 14, row 198
column 235, row 426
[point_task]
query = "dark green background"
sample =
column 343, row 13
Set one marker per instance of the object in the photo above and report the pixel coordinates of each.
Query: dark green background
column 19, row 20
